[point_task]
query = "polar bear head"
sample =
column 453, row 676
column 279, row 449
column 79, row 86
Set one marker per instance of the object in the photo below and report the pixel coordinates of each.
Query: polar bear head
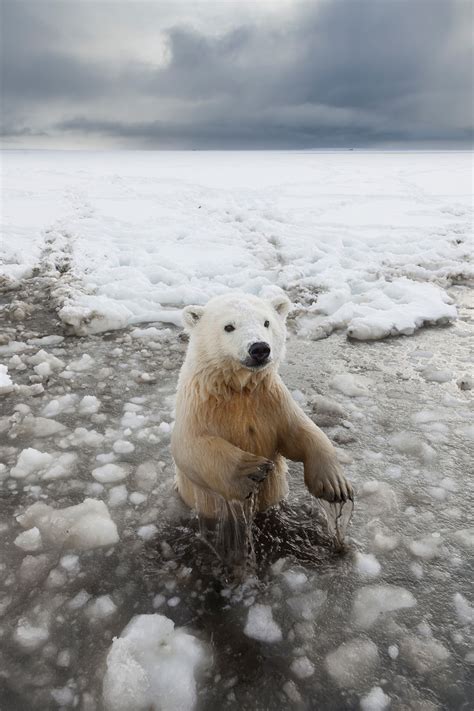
column 238, row 330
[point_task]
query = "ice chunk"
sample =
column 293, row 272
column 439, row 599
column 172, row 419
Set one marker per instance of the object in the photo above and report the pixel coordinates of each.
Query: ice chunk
column 423, row 654
column 44, row 370
column 42, row 358
column 100, row 608
column 70, row 562
column 393, row 651
column 298, row 397
column 261, row 625
column 437, row 375
column 150, row 333
column 109, row 473
column 15, row 363
column 95, row 314
column 378, row 496
column 63, row 696
column 146, row 476
column 29, row 462
column 83, row 363
column 289, row 687
column 132, row 420
column 367, row 565
column 46, row 341
column 13, row 347
column 417, row 570
column 465, row 536
column 352, row 662
column 79, row 600
column 397, row 307
column 372, row 601
column 302, row 668
column 464, row 611
column 437, row 492
column 147, row 532
column 385, row 543
column 409, row 443
column 6, row 383
column 118, row 495
column 65, row 403
column 89, row 405
column 467, row 431
column 61, row 468
column 325, row 406
column 56, row 578
column 87, row 525
column 29, row 540
column 106, row 457
column 152, row 666
column 295, row 579
column 88, row 438
column 33, row 568
column 64, row 658
column 43, row 426
column 375, row 700
column 307, row 607
column 158, row 600
column 121, row 446
column 424, row 417
column 426, row 548
column 30, row 636
column 351, row 385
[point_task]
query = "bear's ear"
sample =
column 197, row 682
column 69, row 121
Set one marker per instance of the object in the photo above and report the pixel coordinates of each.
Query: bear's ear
column 191, row 315
column 282, row 305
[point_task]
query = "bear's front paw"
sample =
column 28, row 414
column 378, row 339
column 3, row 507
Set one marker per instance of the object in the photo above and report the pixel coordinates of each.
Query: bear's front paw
column 327, row 482
column 261, row 473
column 252, row 471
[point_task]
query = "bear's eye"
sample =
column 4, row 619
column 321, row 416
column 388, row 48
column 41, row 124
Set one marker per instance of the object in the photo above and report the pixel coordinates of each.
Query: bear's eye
column 229, row 328
column 266, row 324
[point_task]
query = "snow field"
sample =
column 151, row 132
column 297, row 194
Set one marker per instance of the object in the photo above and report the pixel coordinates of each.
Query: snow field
column 369, row 256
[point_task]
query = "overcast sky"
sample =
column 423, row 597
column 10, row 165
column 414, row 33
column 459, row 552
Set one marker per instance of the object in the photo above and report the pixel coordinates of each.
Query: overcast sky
column 232, row 74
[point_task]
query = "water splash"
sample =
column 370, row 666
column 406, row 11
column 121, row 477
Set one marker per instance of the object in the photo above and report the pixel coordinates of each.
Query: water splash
column 243, row 542
column 338, row 516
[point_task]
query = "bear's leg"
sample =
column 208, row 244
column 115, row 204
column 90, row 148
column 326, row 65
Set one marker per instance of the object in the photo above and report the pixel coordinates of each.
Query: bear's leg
column 213, row 463
column 302, row 441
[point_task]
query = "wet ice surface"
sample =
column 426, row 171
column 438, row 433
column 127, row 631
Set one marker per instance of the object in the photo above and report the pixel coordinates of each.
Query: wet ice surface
column 88, row 426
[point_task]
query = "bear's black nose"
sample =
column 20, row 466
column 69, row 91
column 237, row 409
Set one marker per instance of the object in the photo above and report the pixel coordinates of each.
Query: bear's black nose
column 259, row 351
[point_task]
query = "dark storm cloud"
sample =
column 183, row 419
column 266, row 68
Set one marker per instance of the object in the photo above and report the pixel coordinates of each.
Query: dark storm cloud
column 333, row 72
column 34, row 67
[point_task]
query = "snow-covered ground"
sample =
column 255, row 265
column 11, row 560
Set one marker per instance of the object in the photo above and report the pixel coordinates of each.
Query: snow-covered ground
column 98, row 558
column 377, row 235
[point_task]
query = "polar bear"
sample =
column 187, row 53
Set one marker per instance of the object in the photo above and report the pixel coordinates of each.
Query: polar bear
column 236, row 422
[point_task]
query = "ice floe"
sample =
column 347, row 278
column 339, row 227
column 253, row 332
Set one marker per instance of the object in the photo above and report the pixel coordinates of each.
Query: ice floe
column 81, row 527
column 152, row 666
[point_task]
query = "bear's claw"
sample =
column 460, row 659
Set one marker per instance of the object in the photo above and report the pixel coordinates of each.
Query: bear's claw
column 262, row 471
column 333, row 487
